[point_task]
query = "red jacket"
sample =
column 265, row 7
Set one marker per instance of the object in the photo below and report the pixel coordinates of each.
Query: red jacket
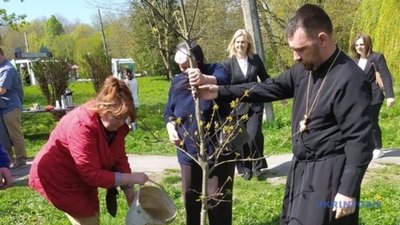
column 76, row 160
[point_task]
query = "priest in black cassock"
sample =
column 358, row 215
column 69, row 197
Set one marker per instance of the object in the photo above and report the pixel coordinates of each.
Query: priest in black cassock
column 330, row 122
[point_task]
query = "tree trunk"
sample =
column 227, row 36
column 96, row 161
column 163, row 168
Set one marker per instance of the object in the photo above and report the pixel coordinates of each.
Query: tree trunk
column 252, row 24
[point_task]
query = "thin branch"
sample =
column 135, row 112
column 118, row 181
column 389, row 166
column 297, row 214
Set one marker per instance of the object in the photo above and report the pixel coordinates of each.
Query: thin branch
column 163, row 18
column 194, row 17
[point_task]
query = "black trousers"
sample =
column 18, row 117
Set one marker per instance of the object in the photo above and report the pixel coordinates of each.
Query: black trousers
column 254, row 148
column 220, row 181
column 376, row 129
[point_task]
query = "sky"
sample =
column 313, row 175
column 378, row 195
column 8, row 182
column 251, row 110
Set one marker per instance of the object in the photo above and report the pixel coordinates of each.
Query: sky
column 83, row 11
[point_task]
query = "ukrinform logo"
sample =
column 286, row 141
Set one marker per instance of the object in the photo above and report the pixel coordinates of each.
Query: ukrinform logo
column 345, row 204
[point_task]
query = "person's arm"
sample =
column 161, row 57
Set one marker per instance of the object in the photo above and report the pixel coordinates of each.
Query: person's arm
column 84, row 149
column 196, row 77
column 355, row 125
column 262, row 72
column 169, row 117
column 214, row 74
column 282, row 87
column 5, row 81
column 386, row 78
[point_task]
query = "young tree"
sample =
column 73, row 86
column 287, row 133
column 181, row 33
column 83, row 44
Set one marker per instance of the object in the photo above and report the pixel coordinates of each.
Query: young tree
column 225, row 130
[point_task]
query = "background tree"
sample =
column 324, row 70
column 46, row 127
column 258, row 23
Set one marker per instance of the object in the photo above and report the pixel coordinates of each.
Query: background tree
column 11, row 20
column 129, row 33
column 53, row 30
column 99, row 67
column 52, row 77
column 275, row 14
column 377, row 19
column 152, row 34
column 119, row 35
column 217, row 20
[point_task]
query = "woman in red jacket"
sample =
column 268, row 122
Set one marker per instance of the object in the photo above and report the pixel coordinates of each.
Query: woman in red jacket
column 86, row 151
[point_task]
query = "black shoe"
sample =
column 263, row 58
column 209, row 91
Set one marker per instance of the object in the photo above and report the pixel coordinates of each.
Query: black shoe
column 257, row 173
column 247, row 175
column 260, row 175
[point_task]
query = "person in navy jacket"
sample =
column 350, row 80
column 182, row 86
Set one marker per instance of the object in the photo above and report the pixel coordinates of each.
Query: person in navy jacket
column 179, row 117
column 369, row 61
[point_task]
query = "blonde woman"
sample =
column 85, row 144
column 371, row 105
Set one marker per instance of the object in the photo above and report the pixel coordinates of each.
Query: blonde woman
column 244, row 66
column 368, row 60
column 86, row 151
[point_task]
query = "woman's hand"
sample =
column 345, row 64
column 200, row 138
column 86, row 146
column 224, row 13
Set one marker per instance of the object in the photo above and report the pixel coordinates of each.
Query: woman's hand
column 195, row 76
column 390, row 102
column 129, row 179
column 140, row 178
column 173, row 134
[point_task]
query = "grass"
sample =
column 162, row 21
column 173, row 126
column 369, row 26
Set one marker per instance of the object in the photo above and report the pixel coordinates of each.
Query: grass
column 255, row 203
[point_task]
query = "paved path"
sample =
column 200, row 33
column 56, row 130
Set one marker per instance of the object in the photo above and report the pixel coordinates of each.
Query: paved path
column 156, row 165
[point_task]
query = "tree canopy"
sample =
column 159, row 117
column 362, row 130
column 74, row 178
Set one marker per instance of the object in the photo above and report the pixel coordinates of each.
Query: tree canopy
column 137, row 32
column 378, row 19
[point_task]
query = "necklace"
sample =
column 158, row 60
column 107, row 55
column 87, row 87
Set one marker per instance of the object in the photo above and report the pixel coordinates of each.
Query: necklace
column 306, row 119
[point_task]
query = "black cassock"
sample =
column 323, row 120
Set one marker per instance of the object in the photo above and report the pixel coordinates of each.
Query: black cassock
column 333, row 154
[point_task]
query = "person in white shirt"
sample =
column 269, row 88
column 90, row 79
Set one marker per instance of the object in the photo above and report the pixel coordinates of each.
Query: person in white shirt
column 382, row 86
column 132, row 83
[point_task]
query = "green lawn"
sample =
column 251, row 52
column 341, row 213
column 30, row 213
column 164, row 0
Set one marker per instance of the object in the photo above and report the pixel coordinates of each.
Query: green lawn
column 255, row 203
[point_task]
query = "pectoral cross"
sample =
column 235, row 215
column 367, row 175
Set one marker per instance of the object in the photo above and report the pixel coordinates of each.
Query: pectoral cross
column 303, row 123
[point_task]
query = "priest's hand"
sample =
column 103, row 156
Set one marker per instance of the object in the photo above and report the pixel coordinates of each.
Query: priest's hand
column 208, row 91
column 343, row 205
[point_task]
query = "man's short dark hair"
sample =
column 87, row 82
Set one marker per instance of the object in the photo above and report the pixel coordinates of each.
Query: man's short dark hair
column 312, row 18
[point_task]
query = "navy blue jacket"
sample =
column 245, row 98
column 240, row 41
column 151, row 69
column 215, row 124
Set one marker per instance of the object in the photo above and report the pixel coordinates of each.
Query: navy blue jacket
column 181, row 105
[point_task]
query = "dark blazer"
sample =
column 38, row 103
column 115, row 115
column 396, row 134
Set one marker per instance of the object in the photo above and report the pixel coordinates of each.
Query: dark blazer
column 255, row 69
column 377, row 94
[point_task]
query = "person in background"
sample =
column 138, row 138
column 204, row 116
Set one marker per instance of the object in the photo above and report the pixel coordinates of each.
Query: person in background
column 4, row 138
column 85, row 151
column 369, row 61
column 179, row 117
column 331, row 122
column 5, row 173
column 132, row 83
column 244, row 66
column 12, row 94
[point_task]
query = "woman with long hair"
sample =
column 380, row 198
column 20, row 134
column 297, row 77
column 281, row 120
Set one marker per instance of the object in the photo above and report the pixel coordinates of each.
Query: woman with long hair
column 85, row 151
column 382, row 86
